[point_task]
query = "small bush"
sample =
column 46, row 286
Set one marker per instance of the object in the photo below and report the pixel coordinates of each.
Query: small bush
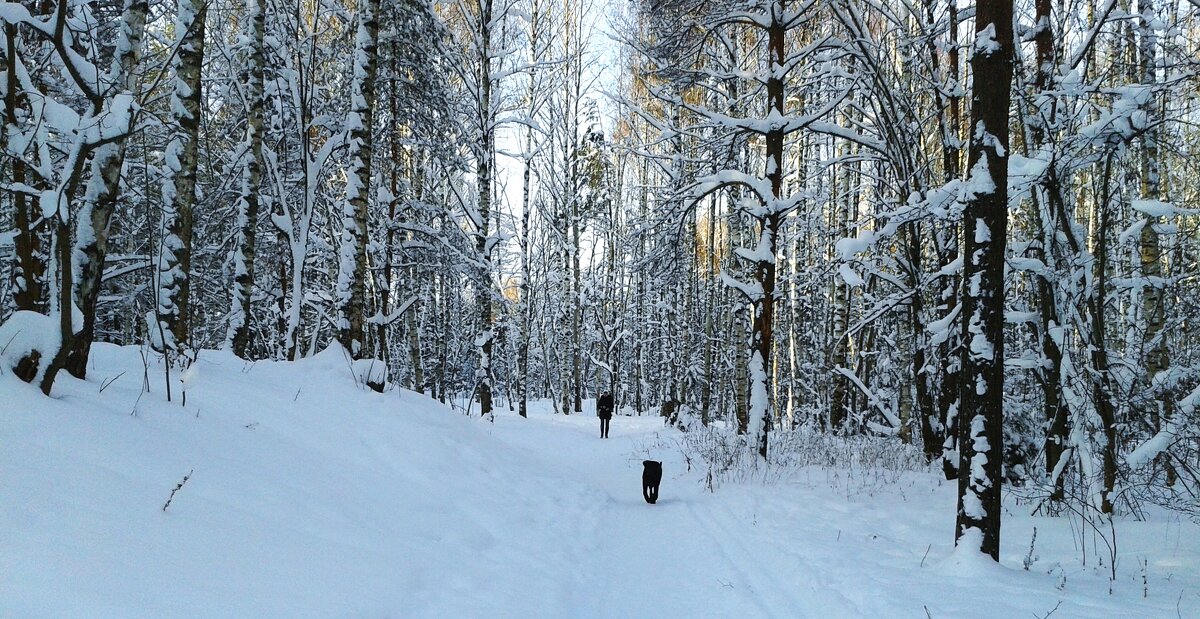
column 869, row 461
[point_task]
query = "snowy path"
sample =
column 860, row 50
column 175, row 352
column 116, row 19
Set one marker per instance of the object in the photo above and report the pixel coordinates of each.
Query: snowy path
column 689, row 554
column 827, row 547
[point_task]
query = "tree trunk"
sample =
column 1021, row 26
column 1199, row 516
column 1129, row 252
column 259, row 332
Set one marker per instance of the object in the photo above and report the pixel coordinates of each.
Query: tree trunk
column 1102, row 388
column 525, row 302
column 985, row 225
column 29, row 269
column 1054, row 408
column 248, row 200
column 927, row 420
column 100, row 199
column 839, row 401
column 179, row 185
column 950, row 350
column 62, row 243
column 576, row 302
column 1150, row 254
column 352, row 250
column 763, row 307
column 484, row 159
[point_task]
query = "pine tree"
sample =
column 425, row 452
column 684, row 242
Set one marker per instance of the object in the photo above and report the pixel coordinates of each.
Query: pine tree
column 985, row 226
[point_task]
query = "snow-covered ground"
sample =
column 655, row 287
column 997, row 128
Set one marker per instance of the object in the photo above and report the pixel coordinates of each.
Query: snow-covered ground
column 311, row 497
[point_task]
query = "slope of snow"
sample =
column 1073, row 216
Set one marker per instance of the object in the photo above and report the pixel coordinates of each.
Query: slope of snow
column 310, row 497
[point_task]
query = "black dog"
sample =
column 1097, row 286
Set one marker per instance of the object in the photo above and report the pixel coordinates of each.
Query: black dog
column 651, row 476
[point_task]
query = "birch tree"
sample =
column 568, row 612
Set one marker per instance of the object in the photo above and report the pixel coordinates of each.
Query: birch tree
column 248, row 202
column 104, row 186
column 352, row 248
column 482, row 25
column 170, row 327
column 54, row 147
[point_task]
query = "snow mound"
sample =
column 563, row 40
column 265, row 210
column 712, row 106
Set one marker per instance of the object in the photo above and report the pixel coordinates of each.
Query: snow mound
column 306, row 497
column 24, row 334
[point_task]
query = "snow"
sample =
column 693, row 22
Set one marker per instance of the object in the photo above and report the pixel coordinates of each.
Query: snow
column 979, row 182
column 1168, row 434
column 985, row 40
column 370, row 371
column 851, row 278
column 846, row 248
column 1157, row 208
column 25, row 332
column 940, row 329
column 982, row 233
column 309, row 496
column 760, row 399
column 1026, row 168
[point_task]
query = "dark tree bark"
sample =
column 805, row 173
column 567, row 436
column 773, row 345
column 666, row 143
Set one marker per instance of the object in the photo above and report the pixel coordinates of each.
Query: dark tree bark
column 985, row 226
column 1054, row 409
column 29, row 268
column 764, row 269
column 950, row 350
column 1101, row 376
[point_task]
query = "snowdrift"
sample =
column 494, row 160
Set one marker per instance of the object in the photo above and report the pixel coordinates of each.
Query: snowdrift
column 307, row 497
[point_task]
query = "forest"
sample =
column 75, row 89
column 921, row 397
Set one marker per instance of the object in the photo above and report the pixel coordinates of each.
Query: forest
column 965, row 231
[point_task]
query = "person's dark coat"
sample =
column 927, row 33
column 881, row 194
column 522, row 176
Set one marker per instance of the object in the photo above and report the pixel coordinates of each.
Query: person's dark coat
column 604, row 406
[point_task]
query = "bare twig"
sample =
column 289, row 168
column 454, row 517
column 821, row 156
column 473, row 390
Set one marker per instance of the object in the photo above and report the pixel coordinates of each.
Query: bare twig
column 1047, row 615
column 177, row 487
column 1030, row 557
column 145, row 372
column 104, row 385
column 9, row 342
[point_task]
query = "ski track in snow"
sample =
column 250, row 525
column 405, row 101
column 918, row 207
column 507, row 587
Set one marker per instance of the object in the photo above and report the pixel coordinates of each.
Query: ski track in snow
column 690, row 552
column 670, row 552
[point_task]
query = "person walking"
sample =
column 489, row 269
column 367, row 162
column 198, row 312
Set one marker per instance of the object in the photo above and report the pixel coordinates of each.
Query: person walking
column 604, row 410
